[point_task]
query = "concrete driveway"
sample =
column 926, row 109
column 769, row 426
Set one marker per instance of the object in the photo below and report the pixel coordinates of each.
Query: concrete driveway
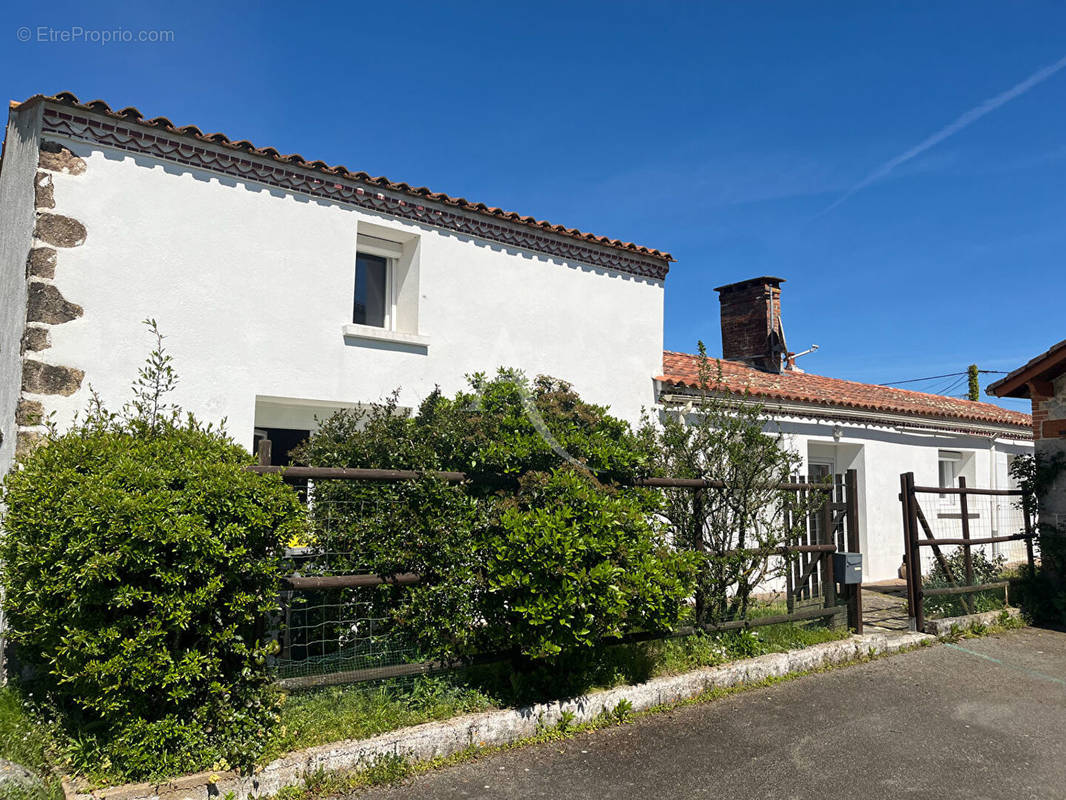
column 985, row 718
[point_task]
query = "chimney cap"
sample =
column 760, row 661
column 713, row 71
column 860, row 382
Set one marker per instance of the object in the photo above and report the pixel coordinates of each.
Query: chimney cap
column 761, row 281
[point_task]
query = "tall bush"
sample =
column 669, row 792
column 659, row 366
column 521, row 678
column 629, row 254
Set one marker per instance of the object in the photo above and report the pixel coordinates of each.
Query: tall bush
column 1042, row 594
column 730, row 529
column 544, row 555
column 139, row 559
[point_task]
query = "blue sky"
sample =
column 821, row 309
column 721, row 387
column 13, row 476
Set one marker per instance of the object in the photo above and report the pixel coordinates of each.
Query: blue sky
column 726, row 133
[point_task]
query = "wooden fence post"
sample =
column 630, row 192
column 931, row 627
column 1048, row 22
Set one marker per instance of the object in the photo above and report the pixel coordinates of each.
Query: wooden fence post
column 264, row 452
column 910, row 550
column 967, row 555
column 914, row 571
column 851, row 523
column 829, row 586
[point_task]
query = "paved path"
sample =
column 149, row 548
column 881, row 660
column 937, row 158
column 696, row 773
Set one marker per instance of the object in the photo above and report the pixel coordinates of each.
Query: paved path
column 883, row 611
column 982, row 719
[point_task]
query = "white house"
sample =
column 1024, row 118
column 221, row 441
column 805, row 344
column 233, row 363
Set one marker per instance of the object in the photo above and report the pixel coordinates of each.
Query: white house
column 837, row 425
column 287, row 288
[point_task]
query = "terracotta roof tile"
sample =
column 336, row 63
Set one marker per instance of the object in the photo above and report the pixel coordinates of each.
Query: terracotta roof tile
column 682, row 369
column 191, row 131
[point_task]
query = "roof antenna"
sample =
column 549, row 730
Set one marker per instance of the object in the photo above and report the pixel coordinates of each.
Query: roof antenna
column 791, row 358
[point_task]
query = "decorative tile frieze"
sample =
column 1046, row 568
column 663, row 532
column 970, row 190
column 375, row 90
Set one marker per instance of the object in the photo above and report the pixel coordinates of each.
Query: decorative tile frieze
column 344, row 190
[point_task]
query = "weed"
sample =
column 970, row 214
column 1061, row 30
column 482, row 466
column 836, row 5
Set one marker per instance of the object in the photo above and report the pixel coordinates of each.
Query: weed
column 566, row 721
column 622, row 712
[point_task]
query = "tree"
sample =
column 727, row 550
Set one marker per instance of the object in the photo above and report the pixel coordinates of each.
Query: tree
column 734, row 528
column 1043, row 594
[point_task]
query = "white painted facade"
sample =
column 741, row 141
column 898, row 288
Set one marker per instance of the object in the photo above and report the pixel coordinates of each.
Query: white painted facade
column 880, row 454
column 880, row 449
column 253, row 287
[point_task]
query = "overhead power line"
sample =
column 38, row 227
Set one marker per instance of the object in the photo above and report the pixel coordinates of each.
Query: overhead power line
column 945, row 375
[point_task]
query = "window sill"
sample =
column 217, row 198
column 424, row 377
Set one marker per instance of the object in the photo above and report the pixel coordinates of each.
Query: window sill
column 374, row 334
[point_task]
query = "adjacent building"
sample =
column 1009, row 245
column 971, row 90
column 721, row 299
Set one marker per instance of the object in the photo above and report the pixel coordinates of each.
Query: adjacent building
column 837, row 425
column 1043, row 382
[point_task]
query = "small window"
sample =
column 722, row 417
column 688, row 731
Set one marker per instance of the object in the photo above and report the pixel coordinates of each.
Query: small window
column 371, row 291
column 950, row 464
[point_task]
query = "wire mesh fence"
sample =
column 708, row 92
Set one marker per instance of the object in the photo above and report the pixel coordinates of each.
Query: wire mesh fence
column 961, row 544
column 331, row 634
column 987, row 516
column 334, row 630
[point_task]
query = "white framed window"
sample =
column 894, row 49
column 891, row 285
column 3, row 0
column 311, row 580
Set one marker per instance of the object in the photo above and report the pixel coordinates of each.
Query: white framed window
column 385, row 291
column 374, row 301
column 950, row 464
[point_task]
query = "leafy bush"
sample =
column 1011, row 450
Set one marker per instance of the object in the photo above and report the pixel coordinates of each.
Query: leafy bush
column 552, row 558
column 1042, row 593
column 572, row 563
column 985, row 570
column 139, row 560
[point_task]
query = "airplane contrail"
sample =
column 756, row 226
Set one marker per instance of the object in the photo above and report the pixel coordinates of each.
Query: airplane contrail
column 970, row 117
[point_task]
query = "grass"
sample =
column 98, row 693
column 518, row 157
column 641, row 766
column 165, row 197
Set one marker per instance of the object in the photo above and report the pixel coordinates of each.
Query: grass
column 360, row 711
column 354, row 711
column 394, row 768
column 1004, row 622
column 27, row 740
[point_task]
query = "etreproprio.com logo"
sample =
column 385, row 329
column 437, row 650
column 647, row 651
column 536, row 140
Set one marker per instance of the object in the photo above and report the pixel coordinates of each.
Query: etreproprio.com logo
column 76, row 34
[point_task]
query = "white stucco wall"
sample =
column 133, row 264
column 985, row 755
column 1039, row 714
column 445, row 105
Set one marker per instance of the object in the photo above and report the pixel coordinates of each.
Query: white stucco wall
column 880, row 454
column 252, row 286
column 16, row 233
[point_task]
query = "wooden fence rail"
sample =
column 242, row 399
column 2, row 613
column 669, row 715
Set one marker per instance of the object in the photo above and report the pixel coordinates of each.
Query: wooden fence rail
column 914, row 519
column 832, row 517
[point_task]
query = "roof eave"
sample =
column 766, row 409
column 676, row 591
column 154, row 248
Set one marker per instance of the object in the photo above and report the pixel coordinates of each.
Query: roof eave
column 1047, row 366
column 1022, row 430
column 132, row 116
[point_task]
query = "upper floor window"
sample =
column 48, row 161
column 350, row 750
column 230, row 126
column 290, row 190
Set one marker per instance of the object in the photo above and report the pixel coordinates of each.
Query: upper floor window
column 372, row 291
column 386, row 294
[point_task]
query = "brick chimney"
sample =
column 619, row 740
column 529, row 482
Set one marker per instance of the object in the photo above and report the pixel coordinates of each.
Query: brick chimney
column 751, row 323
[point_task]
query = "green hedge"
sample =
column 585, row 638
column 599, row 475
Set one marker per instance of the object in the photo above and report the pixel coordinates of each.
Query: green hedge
column 552, row 559
column 139, row 565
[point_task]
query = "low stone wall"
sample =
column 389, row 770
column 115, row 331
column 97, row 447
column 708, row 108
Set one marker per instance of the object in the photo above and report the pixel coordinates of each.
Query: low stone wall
column 434, row 739
column 949, row 625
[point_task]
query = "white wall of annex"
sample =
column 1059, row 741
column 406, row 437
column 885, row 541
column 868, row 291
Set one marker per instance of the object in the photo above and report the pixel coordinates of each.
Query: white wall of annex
column 880, row 454
column 252, row 286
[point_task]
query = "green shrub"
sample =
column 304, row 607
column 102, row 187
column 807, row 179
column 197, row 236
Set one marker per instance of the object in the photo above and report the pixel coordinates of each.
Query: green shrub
column 1041, row 593
column 553, row 558
column 571, row 564
column 139, row 561
column 985, row 570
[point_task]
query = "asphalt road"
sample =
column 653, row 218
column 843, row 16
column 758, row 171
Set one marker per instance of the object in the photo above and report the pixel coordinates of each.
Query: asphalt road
column 985, row 718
